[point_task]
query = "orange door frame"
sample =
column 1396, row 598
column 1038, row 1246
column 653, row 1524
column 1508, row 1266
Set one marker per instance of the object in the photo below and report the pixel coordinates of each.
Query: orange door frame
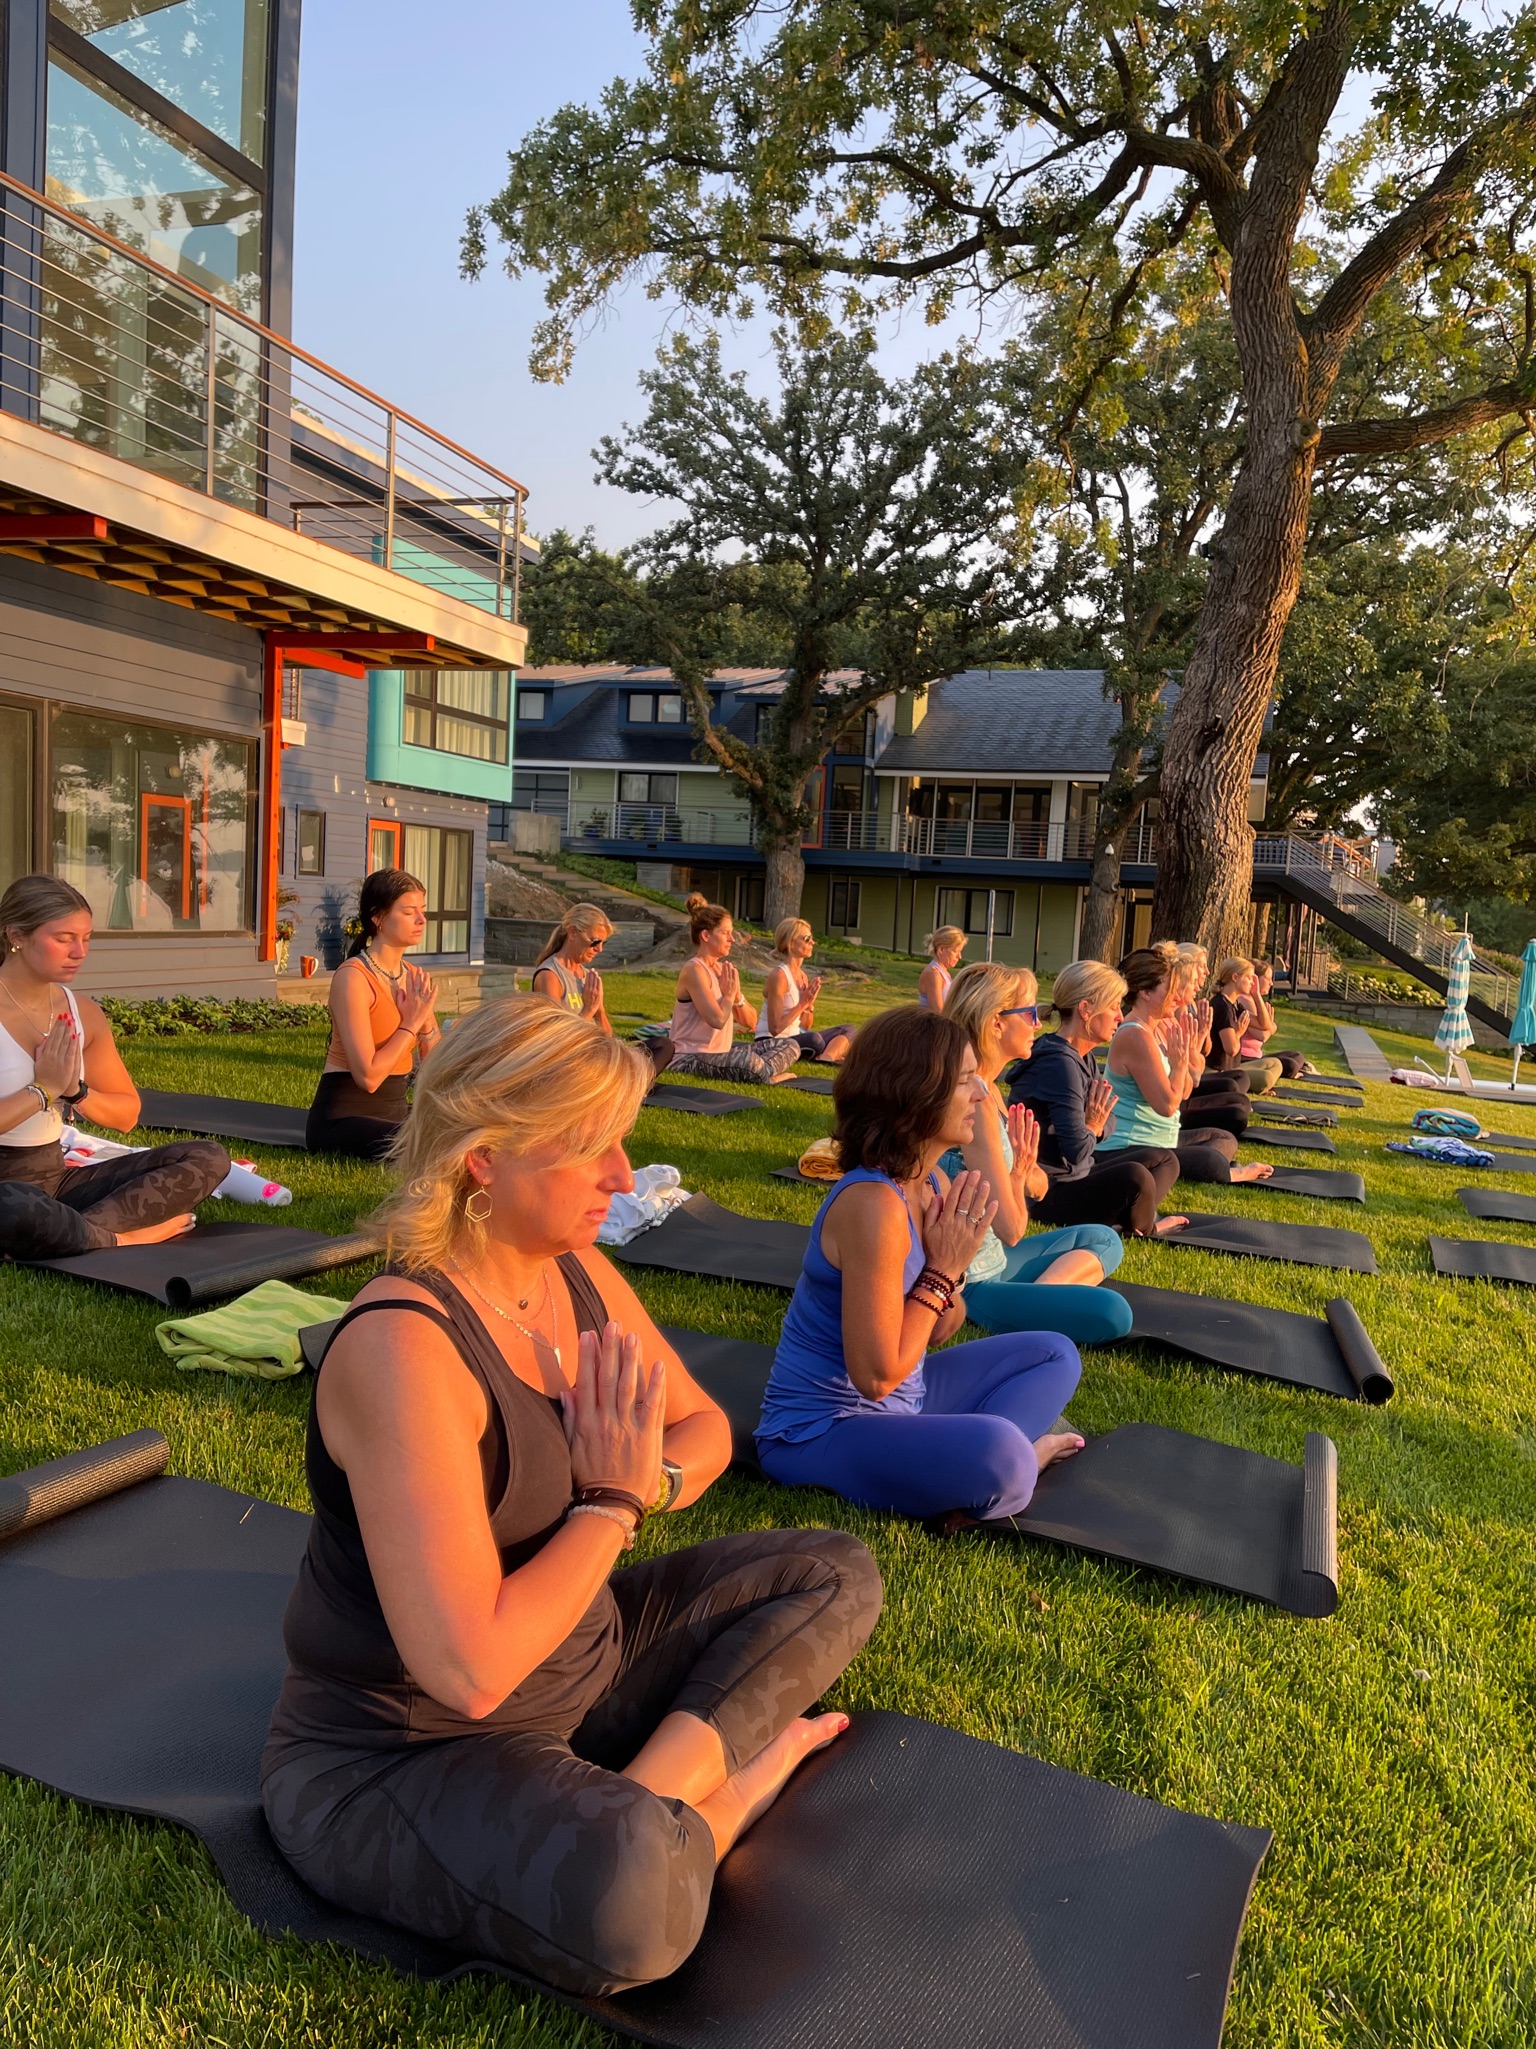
column 184, row 806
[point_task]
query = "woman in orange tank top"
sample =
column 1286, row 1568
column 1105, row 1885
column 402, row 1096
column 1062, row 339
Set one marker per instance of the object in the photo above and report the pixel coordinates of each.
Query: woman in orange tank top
column 381, row 1021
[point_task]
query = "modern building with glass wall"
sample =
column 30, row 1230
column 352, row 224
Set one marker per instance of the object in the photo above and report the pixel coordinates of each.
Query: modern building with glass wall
column 253, row 617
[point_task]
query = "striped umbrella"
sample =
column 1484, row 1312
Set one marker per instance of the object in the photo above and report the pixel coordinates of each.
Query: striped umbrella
column 1453, row 1034
column 1522, row 1032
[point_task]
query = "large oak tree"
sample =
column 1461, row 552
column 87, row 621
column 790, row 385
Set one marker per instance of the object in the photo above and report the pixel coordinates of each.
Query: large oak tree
column 825, row 153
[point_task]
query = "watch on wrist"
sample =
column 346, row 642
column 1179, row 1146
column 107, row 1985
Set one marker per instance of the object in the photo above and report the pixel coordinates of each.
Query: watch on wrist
column 671, row 1485
column 78, row 1096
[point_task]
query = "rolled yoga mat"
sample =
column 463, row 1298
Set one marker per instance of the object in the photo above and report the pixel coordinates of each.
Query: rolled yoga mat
column 1499, row 1203
column 912, row 1886
column 1260, row 1238
column 1315, row 1181
column 1267, row 1137
column 223, row 1117
column 700, row 1237
column 41, row 1493
column 215, row 1260
column 674, row 1095
column 1479, row 1259
column 1199, row 1510
column 1331, row 1353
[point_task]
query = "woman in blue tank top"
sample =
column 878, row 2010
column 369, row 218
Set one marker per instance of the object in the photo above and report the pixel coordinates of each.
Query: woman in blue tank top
column 855, row 1403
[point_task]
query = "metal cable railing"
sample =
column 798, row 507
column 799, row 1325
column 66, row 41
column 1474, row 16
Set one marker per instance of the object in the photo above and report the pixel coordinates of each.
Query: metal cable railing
column 100, row 343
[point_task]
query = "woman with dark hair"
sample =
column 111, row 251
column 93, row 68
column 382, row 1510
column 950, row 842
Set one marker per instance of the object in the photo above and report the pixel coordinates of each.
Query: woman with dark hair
column 709, row 1005
column 854, row 1402
column 381, row 1021
column 56, row 1048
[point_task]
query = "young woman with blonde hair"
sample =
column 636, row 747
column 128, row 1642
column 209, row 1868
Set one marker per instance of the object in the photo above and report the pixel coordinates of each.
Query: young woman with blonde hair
column 709, row 1005
column 1232, row 1007
column 564, row 974
column 945, row 945
column 485, row 1734
column 1262, row 1024
column 789, row 997
column 1051, row 1281
column 1072, row 1104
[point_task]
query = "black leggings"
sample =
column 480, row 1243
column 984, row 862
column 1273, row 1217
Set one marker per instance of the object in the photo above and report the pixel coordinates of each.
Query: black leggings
column 50, row 1211
column 1122, row 1189
column 531, row 1849
column 1202, row 1155
column 1215, row 1112
column 360, row 1124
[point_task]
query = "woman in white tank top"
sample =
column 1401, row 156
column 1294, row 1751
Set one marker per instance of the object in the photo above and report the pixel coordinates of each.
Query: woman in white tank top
column 58, row 1057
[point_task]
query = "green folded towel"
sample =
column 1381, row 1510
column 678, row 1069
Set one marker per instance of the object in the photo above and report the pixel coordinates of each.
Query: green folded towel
column 258, row 1334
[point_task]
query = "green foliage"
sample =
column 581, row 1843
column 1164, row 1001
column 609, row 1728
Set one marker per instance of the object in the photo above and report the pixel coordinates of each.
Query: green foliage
column 181, row 1017
column 1363, row 982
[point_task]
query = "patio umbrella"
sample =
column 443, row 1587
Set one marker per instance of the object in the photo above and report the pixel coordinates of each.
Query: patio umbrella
column 1522, row 1032
column 1453, row 1034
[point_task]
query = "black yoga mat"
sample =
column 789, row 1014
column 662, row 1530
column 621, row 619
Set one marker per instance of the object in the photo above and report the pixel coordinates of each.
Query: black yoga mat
column 1199, row 1510
column 1265, row 1137
column 912, row 1886
column 1511, row 1139
column 1259, row 1238
column 1501, row 1203
column 791, row 1172
column 1331, row 1353
column 731, row 1371
column 222, row 1117
column 1329, row 1098
column 1266, row 1112
column 215, row 1260
column 1316, row 1181
column 1345, row 1082
column 42, row 1493
column 675, row 1095
column 1478, row 1259
column 810, row 1084
column 702, row 1238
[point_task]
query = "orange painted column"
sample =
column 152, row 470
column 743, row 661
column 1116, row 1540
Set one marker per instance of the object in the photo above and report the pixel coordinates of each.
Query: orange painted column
column 271, row 808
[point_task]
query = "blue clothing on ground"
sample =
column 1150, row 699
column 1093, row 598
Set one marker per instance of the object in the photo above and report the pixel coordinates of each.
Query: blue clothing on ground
column 809, row 1386
column 970, row 1447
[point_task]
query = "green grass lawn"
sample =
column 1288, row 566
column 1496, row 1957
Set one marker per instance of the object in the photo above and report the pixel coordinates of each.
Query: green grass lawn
column 1390, row 1748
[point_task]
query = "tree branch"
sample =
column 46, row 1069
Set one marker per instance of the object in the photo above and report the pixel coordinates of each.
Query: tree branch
column 1422, row 430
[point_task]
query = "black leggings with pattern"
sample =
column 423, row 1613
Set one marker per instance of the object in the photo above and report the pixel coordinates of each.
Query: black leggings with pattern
column 49, row 1210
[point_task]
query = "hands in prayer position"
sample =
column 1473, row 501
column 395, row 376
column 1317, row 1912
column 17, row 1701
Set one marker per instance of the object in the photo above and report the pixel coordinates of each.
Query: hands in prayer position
column 614, row 1415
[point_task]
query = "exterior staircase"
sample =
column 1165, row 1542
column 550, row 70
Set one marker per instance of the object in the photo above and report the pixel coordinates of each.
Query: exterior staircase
column 1331, row 877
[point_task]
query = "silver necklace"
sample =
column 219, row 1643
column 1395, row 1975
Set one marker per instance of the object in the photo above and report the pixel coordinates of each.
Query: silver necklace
column 379, row 968
column 535, row 1336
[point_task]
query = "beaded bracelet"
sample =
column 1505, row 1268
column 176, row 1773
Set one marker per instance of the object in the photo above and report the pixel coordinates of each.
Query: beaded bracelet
column 615, row 1497
column 612, row 1515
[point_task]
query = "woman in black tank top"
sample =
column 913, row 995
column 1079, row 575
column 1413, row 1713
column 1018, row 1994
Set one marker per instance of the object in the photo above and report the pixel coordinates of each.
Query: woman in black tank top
column 485, row 1734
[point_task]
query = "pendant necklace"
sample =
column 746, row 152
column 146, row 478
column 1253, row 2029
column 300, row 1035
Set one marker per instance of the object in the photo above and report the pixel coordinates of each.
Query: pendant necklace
column 536, row 1336
column 379, row 968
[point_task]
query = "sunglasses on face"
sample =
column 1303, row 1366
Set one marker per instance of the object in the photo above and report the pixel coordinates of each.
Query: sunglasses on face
column 1029, row 1010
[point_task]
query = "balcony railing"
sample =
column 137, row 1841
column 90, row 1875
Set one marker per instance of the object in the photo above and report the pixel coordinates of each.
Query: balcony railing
column 655, row 825
column 858, row 832
column 102, row 344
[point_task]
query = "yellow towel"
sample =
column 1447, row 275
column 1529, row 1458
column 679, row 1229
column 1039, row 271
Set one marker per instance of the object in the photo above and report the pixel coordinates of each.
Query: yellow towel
column 820, row 1162
column 257, row 1334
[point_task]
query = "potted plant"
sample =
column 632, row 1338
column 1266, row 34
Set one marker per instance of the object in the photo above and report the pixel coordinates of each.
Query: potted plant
column 593, row 829
column 285, row 928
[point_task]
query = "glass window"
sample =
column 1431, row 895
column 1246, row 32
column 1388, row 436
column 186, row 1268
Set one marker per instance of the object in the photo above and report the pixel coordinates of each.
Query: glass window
column 751, row 893
column 845, row 902
column 647, row 789
column 967, row 908
column 443, row 861
column 383, row 845
column 669, row 710
column 310, row 840
column 642, row 708
column 532, row 705
column 541, row 789
column 16, row 743
column 152, row 825
column 122, row 172
column 458, row 711
column 208, row 57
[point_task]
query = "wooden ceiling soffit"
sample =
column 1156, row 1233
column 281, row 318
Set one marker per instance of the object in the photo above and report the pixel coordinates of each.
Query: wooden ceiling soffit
column 86, row 545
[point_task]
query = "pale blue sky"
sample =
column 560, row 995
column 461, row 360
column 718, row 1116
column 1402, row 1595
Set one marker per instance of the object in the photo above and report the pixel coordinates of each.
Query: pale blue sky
column 405, row 119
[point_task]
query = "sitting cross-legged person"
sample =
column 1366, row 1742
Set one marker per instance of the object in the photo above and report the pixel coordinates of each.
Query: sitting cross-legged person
column 709, row 1005
column 1049, row 1281
column 57, row 1048
column 486, row 1735
column 857, row 1402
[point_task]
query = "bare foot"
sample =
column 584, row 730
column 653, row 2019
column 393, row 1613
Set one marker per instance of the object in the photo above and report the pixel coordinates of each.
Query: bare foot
column 748, row 1794
column 156, row 1234
column 1166, row 1224
column 1258, row 1170
column 1062, row 1445
column 778, row 1080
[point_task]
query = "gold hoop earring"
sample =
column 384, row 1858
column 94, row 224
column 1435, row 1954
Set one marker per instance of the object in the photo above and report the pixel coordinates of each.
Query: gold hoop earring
column 482, row 1215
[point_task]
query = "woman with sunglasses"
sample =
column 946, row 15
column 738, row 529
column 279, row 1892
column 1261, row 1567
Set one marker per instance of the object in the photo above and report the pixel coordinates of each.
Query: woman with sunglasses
column 1049, row 1281
column 564, row 974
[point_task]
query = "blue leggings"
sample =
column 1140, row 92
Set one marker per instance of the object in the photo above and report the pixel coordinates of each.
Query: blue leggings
column 1017, row 1300
column 971, row 1446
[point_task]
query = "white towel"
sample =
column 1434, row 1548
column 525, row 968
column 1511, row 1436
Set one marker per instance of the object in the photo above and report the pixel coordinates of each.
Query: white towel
column 656, row 1193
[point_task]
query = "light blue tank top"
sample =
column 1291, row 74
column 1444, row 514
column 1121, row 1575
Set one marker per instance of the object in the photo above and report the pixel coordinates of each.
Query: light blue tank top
column 1135, row 1120
column 809, row 1389
column 991, row 1258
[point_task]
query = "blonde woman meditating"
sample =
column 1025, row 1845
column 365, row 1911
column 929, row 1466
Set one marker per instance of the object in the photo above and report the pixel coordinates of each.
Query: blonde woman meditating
column 709, row 1005
column 486, row 1734
column 945, row 945
column 564, row 974
column 789, row 997
column 1232, row 1008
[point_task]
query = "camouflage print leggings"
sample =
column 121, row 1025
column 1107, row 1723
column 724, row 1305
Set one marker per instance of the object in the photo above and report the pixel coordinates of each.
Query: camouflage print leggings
column 763, row 1060
column 533, row 1851
column 51, row 1211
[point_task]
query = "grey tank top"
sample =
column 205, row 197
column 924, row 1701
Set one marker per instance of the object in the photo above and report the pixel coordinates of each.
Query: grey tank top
column 346, row 1682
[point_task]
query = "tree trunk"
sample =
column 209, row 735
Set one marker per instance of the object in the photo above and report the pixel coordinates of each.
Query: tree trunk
column 1205, row 843
column 1101, row 905
column 785, row 884
column 1258, row 948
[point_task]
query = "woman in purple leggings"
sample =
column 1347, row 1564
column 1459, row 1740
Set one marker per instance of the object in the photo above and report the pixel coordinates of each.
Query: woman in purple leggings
column 855, row 1403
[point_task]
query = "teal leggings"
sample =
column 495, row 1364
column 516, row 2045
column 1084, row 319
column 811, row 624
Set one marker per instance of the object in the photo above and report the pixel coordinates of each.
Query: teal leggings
column 1016, row 1300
